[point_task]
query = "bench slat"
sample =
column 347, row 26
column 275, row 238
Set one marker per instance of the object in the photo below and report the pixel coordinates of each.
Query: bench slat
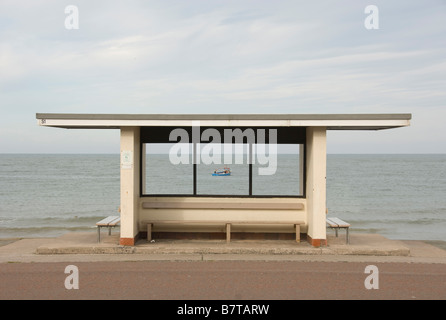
column 109, row 221
column 115, row 222
column 336, row 222
column 331, row 223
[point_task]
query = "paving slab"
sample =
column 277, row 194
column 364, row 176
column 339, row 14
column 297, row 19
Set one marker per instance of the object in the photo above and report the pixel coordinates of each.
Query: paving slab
column 84, row 247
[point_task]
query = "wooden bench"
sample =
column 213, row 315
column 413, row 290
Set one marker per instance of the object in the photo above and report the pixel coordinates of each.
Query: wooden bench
column 226, row 223
column 109, row 222
column 336, row 224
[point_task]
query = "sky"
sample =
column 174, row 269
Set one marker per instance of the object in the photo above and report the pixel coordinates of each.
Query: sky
column 249, row 57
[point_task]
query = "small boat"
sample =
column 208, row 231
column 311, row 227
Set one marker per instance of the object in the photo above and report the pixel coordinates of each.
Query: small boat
column 222, row 172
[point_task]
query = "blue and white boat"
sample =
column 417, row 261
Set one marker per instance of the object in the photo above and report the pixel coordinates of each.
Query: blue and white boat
column 222, row 172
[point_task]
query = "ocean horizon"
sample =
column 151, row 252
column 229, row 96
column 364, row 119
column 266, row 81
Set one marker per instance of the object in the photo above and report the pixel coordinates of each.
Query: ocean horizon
column 400, row 196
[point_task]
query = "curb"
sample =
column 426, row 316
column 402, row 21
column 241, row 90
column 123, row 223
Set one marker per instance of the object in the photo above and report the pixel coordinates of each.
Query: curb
column 239, row 251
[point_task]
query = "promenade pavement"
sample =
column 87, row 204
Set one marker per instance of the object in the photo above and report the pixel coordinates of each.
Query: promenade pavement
column 83, row 247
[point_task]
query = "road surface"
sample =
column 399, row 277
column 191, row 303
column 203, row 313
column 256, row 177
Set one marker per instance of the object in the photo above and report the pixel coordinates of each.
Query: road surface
column 222, row 280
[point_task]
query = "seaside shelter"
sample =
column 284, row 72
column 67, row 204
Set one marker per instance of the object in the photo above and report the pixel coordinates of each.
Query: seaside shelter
column 167, row 160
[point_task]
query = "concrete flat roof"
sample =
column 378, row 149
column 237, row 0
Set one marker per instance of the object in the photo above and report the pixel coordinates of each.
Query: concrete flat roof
column 331, row 121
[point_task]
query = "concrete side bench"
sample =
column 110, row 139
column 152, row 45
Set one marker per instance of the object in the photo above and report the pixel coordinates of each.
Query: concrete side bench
column 336, row 224
column 109, row 222
column 225, row 223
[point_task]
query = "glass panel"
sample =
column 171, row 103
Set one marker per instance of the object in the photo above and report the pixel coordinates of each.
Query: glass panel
column 215, row 160
column 168, row 169
column 276, row 169
column 285, row 179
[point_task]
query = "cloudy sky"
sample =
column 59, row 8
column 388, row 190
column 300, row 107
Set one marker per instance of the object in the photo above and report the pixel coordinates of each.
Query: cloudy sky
column 179, row 56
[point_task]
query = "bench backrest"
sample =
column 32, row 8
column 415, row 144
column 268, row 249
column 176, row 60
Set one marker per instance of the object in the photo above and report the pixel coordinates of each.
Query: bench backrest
column 222, row 205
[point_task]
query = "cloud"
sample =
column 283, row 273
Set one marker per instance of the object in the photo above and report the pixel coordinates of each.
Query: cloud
column 221, row 57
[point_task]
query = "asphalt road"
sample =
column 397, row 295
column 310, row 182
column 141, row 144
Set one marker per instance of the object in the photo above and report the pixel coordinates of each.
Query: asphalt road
column 222, row 280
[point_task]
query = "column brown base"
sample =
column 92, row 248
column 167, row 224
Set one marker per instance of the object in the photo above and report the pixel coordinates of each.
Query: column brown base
column 128, row 241
column 316, row 242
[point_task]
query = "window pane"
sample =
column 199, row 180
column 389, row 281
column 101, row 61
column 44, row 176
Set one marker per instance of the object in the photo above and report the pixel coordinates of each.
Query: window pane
column 168, row 169
column 285, row 179
column 276, row 171
column 216, row 157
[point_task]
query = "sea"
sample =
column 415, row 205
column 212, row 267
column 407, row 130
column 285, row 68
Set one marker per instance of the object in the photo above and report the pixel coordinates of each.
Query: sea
column 400, row 196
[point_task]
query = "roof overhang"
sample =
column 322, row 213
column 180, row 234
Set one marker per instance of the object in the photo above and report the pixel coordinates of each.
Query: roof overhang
column 330, row 121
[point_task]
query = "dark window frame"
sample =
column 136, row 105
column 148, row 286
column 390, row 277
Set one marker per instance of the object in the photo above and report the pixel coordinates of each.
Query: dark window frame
column 285, row 135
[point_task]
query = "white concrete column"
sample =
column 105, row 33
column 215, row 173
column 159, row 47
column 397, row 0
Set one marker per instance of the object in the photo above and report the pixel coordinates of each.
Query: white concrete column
column 130, row 176
column 316, row 184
